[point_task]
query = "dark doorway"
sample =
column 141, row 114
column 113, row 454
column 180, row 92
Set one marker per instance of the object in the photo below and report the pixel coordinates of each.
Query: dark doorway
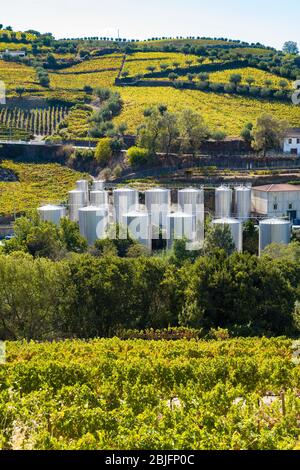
column 292, row 215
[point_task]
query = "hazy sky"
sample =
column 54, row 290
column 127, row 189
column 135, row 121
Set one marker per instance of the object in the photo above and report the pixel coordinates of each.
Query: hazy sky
column 267, row 21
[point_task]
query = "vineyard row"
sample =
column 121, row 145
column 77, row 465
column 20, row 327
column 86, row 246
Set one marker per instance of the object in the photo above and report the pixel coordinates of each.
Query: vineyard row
column 36, row 121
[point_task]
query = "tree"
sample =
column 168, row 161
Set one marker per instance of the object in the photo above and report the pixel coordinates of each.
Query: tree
column 283, row 84
column 203, row 77
column 151, row 68
column 246, row 133
column 51, row 61
column 218, row 135
column 159, row 131
column 20, row 90
column 42, row 76
column 149, row 131
column 70, row 236
column 169, row 134
column 40, row 239
column 239, row 291
column 180, row 254
column 33, row 294
column 193, row 131
column 268, row 133
column 250, row 80
column 290, row 47
column 268, row 83
column 103, row 93
column 137, row 156
column 103, row 152
column 235, row 78
column 250, row 238
column 218, row 237
column 172, row 76
column 88, row 89
column 278, row 251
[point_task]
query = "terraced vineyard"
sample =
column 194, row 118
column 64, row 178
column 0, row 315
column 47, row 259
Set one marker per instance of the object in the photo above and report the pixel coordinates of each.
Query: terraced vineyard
column 33, row 121
column 226, row 112
column 38, row 184
column 260, row 77
column 240, row 394
column 95, row 73
column 77, row 123
column 139, row 62
column 13, row 133
column 14, row 75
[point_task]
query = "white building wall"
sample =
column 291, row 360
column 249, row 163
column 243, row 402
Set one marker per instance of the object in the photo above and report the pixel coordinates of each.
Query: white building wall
column 12, row 53
column 259, row 202
column 276, row 204
column 291, row 143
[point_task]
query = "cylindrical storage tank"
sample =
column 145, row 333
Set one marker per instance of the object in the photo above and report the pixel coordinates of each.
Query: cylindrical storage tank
column 138, row 226
column 98, row 198
column 125, row 200
column 93, row 222
column 236, row 229
column 82, row 185
column 52, row 213
column 158, row 202
column 191, row 201
column 242, row 202
column 98, row 185
column 223, row 202
column 179, row 226
column 77, row 199
column 274, row 231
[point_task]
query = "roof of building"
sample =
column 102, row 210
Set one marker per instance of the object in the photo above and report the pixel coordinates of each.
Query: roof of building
column 293, row 131
column 273, row 188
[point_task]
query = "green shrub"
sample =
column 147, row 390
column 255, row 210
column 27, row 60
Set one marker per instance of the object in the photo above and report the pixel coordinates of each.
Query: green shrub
column 103, row 152
column 137, row 156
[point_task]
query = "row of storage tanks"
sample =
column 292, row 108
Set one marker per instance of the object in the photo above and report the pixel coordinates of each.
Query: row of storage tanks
column 270, row 230
column 94, row 212
column 91, row 208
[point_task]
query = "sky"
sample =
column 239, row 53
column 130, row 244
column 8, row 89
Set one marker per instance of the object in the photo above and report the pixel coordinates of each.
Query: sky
column 271, row 22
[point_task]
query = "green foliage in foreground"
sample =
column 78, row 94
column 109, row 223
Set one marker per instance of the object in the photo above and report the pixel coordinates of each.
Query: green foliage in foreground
column 98, row 293
column 113, row 394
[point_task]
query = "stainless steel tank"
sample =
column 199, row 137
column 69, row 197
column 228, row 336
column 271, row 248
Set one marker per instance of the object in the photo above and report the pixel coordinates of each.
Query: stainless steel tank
column 223, row 202
column 77, row 199
column 98, row 198
column 242, row 202
column 52, row 213
column 125, row 200
column 180, row 226
column 158, row 202
column 93, row 223
column 98, row 185
column 274, row 231
column 138, row 225
column 236, row 229
column 82, row 185
column 191, row 201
